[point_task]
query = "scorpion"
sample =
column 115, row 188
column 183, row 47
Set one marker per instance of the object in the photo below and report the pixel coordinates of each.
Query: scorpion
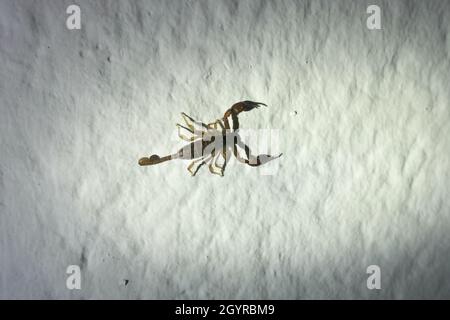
column 213, row 141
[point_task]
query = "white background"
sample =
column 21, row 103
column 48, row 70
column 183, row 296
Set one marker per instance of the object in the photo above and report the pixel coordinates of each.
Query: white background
column 364, row 178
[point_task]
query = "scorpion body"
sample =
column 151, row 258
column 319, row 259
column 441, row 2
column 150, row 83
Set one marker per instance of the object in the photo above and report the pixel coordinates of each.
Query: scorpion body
column 209, row 142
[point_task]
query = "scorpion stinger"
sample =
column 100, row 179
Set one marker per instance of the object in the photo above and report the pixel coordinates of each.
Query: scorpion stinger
column 210, row 142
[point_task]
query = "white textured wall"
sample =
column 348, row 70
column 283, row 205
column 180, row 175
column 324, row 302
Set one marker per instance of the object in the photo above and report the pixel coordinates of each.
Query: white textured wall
column 364, row 178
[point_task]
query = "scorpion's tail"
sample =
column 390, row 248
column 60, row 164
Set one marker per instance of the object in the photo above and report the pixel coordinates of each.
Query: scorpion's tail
column 155, row 159
column 254, row 103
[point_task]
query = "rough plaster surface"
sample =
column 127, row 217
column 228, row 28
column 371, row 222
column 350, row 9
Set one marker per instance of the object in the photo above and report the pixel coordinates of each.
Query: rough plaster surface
column 364, row 178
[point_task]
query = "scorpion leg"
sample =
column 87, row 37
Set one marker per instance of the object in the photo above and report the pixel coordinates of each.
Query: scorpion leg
column 213, row 167
column 215, row 125
column 197, row 127
column 226, row 155
column 251, row 160
column 192, row 136
column 212, row 125
column 196, row 165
